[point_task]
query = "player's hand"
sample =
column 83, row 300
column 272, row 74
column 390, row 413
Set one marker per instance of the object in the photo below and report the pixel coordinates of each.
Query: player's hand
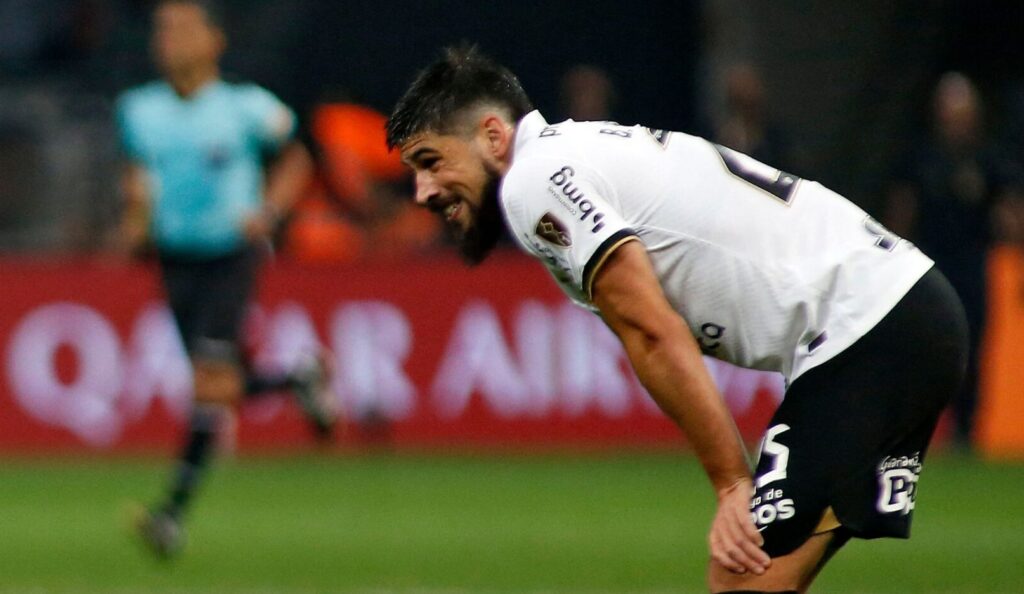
column 734, row 540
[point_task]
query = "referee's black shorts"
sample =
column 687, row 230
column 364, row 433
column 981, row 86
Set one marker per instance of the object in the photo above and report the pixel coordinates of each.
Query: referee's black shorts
column 850, row 436
column 209, row 297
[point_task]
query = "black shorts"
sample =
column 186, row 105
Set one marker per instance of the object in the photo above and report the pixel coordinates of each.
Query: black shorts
column 851, row 434
column 209, row 297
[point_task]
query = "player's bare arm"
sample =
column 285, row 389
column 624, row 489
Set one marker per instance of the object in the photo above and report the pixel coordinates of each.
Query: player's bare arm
column 669, row 364
column 133, row 231
column 287, row 177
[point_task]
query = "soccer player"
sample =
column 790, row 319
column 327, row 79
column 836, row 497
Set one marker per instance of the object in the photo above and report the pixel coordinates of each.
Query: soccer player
column 195, row 186
column 684, row 247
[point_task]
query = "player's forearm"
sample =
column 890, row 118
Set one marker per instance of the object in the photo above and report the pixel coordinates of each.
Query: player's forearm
column 287, row 178
column 672, row 370
column 134, row 223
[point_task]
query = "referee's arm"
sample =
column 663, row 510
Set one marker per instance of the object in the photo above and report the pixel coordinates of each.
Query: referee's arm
column 133, row 229
column 288, row 175
column 668, row 362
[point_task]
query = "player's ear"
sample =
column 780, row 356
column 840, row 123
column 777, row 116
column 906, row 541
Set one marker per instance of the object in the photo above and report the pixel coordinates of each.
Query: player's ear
column 497, row 135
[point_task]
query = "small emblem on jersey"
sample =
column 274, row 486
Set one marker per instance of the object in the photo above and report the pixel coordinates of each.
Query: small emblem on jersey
column 897, row 483
column 553, row 231
column 217, row 156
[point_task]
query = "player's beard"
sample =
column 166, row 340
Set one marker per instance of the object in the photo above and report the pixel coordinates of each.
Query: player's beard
column 477, row 241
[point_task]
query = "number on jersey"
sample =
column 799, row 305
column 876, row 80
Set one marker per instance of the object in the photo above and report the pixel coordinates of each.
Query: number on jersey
column 884, row 238
column 778, row 183
column 660, row 136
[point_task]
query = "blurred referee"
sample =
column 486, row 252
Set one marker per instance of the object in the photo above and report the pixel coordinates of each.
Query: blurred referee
column 195, row 188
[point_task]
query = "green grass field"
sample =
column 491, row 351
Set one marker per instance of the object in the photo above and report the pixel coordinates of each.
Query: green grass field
column 429, row 524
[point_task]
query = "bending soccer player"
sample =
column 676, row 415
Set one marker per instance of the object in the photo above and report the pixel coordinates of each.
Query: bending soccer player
column 194, row 186
column 684, row 247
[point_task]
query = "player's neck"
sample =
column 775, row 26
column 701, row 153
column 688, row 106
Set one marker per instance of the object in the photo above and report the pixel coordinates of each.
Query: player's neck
column 187, row 82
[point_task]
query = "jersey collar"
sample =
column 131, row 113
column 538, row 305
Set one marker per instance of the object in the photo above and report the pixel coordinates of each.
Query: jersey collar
column 528, row 128
column 201, row 92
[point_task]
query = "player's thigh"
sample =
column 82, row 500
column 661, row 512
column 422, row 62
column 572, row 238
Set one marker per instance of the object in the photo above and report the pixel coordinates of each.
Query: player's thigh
column 182, row 283
column 917, row 356
column 227, row 287
column 791, row 481
column 216, row 350
column 817, row 463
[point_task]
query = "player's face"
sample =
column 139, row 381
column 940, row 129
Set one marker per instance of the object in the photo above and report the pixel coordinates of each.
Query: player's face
column 456, row 181
column 184, row 38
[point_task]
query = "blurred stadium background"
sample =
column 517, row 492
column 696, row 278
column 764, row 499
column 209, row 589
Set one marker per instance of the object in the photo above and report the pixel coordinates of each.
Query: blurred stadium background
column 495, row 440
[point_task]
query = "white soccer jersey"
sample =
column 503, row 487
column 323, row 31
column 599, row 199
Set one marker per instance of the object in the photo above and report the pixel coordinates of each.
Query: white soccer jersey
column 769, row 271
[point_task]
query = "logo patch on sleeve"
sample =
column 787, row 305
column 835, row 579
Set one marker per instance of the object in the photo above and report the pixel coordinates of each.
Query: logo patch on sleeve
column 553, row 231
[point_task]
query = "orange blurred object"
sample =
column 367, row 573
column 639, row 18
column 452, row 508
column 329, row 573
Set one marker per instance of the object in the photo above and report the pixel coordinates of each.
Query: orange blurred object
column 359, row 130
column 1000, row 432
column 317, row 233
column 354, row 148
column 355, row 211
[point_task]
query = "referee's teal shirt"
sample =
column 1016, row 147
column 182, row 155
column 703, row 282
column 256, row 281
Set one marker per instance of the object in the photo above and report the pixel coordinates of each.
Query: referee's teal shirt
column 203, row 158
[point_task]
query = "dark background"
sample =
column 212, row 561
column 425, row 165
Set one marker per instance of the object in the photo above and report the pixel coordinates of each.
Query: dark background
column 849, row 82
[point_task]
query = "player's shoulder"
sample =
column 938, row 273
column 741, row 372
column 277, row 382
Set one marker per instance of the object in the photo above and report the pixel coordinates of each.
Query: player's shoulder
column 534, row 176
column 143, row 104
column 540, row 183
column 249, row 92
column 518, row 186
column 536, row 135
column 601, row 151
column 146, row 93
column 528, row 172
column 244, row 87
column 543, row 149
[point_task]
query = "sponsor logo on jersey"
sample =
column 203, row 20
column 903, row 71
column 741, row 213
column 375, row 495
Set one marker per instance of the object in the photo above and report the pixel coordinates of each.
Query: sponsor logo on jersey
column 897, row 483
column 218, row 156
column 553, row 231
column 572, row 197
column 771, row 504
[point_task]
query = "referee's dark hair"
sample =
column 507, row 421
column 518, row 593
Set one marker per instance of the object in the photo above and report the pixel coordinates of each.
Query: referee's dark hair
column 462, row 78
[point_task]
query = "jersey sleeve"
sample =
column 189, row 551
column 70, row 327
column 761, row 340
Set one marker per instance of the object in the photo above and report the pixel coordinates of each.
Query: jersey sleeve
column 561, row 214
column 271, row 122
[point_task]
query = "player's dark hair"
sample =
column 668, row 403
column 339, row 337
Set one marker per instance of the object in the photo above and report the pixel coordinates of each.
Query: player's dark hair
column 214, row 10
column 461, row 79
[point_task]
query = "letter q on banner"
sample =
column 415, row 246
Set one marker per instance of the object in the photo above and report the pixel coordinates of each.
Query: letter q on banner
column 88, row 404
